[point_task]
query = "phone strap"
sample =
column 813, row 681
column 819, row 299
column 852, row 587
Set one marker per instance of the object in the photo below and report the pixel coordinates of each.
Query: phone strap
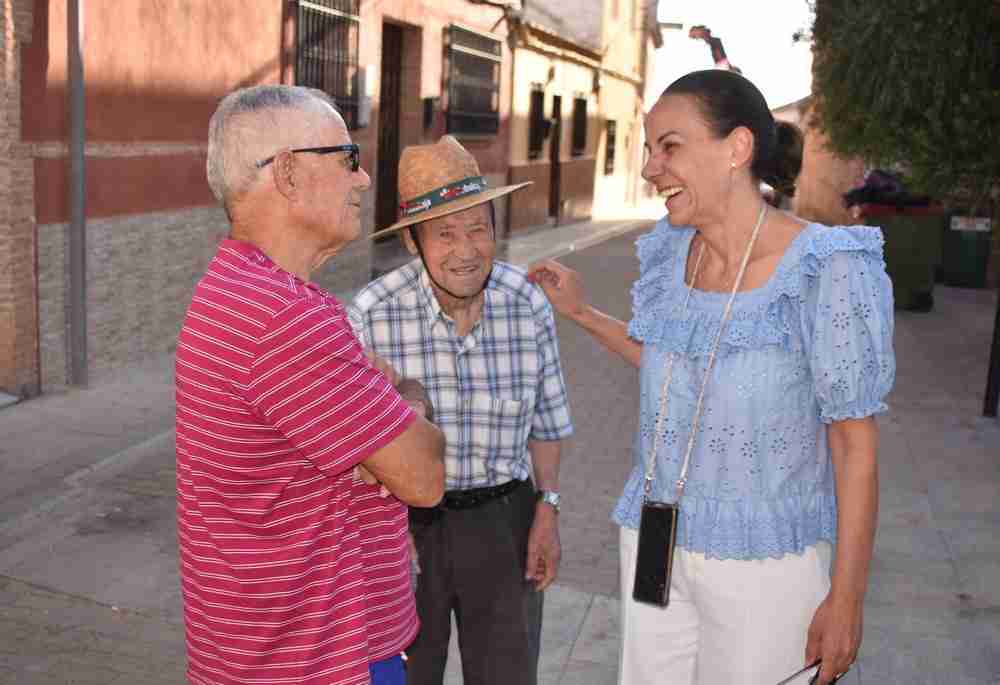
column 671, row 359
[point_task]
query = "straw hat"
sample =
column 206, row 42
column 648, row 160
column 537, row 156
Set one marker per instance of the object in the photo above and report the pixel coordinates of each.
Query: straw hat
column 440, row 179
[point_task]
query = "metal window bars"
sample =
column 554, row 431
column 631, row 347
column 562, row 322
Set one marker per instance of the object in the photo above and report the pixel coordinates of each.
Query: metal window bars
column 579, row 127
column 537, row 126
column 609, row 148
column 327, row 51
column 474, row 61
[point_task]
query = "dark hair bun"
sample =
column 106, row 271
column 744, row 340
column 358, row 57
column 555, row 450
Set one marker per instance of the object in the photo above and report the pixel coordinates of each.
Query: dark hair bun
column 783, row 165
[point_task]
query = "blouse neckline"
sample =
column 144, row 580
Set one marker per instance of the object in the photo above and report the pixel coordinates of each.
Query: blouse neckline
column 742, row 295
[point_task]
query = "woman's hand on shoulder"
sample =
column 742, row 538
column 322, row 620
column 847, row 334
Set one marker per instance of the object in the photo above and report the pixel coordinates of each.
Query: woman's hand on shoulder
column 562, row 285
column 565, row 291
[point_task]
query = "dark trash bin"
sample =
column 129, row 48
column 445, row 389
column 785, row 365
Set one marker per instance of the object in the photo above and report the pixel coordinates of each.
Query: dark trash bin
column 913, row 227
column 966, row 249
column 913, row 250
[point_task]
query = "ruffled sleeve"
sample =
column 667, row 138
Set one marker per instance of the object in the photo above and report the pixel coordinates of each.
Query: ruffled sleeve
column 657, row 252
column 847, row 319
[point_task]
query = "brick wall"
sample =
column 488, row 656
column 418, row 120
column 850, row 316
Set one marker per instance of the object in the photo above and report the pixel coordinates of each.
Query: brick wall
column 149, row 230
column 18, row 341
column 140, row 273
column 141, row 270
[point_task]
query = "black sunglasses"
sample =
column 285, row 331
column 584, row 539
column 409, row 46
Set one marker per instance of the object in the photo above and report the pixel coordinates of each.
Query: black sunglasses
column 353, row 154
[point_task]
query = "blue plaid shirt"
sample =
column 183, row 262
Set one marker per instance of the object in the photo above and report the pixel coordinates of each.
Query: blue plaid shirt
column 492, row 390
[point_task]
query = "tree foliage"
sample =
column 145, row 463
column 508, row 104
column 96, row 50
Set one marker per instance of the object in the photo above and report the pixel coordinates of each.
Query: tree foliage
column 913, row 84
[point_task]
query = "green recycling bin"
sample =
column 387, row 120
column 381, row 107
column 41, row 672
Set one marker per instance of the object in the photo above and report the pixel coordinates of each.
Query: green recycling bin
column 913, row 251
column 966, row 251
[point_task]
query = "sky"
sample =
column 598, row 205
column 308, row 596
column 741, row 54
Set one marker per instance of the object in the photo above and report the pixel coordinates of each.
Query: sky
column 757, row 37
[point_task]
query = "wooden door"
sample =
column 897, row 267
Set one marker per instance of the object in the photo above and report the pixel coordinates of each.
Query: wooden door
column 555, row 145
column 387, row 198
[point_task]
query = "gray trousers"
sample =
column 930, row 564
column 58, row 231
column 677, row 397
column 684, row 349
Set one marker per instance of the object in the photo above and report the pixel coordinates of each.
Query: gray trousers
column 472, row 563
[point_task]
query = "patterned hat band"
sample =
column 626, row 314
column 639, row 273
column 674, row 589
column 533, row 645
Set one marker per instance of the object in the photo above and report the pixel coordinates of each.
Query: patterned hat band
column 473, row 185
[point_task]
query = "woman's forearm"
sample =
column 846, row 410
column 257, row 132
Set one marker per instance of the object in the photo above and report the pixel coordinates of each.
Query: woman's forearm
column 564, row 288
column 612, row 333
column 854, row 447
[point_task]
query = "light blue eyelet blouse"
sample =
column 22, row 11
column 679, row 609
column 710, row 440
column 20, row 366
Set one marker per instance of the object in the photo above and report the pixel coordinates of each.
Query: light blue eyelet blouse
column 811, row 346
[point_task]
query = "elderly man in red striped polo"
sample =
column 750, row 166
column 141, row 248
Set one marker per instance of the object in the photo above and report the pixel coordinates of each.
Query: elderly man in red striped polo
column 294, row 568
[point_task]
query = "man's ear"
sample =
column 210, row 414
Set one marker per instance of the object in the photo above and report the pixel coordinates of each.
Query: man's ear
column 283, row 171
column 407, row 237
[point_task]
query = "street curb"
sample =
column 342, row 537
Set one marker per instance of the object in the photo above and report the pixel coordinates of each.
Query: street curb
column 76, row 484
column 583, row 243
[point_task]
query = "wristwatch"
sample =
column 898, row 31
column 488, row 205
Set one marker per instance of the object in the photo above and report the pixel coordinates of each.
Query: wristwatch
column 550, row 497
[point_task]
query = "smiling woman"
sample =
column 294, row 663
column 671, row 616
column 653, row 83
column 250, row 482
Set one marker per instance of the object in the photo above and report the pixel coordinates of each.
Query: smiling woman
column 764, row 346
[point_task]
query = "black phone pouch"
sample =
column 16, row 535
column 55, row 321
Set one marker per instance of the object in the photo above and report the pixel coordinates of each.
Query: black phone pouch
column 655, row 554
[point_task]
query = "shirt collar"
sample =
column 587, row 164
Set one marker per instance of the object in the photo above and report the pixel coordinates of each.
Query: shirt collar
column 255, row 255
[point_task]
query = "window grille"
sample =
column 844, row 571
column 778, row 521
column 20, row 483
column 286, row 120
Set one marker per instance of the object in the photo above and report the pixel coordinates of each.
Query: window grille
column 474, row 61
column 609, row 149
column 579, row 127
column 327, row 51
column 536, row 121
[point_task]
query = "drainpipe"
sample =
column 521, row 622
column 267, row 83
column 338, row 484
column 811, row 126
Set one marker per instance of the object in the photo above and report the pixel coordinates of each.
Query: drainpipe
column 77, row 300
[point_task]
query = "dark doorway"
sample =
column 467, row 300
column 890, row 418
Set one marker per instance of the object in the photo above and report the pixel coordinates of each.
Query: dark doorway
column 387, row 197
column 555, row 145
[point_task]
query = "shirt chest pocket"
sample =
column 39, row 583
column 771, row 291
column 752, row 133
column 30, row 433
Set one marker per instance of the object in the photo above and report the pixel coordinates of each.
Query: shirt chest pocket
column 497, row 428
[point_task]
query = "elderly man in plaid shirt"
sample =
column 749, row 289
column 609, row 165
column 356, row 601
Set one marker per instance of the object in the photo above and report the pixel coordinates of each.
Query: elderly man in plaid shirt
column 482, row 340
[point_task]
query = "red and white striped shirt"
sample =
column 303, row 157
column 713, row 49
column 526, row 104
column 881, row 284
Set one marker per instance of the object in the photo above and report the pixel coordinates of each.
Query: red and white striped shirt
column 292, row 570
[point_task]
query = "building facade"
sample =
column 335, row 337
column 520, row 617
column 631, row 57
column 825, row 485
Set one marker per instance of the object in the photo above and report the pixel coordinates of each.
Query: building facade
column 576, row 110
column 531, row 96
column 402, row 72
column 630, row 37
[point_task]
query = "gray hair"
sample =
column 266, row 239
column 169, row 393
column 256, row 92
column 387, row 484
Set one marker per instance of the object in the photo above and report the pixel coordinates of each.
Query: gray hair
column 251, row 124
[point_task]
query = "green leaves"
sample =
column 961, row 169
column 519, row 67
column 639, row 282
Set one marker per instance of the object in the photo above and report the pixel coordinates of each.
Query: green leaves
column 913, row 84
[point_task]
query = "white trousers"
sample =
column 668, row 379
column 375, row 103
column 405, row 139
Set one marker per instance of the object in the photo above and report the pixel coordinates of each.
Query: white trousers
column 727, row 622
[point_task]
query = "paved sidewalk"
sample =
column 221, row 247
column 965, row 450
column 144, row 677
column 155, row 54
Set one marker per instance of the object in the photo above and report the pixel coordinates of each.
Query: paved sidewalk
column 88, row 580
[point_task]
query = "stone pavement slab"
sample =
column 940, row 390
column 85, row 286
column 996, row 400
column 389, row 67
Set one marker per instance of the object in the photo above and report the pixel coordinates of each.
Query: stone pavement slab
column 45, row 440
column 52, row 637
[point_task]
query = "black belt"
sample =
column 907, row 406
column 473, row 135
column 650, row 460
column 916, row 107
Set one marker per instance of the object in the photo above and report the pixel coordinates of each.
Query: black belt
column 468, row 499
column 456, row 500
